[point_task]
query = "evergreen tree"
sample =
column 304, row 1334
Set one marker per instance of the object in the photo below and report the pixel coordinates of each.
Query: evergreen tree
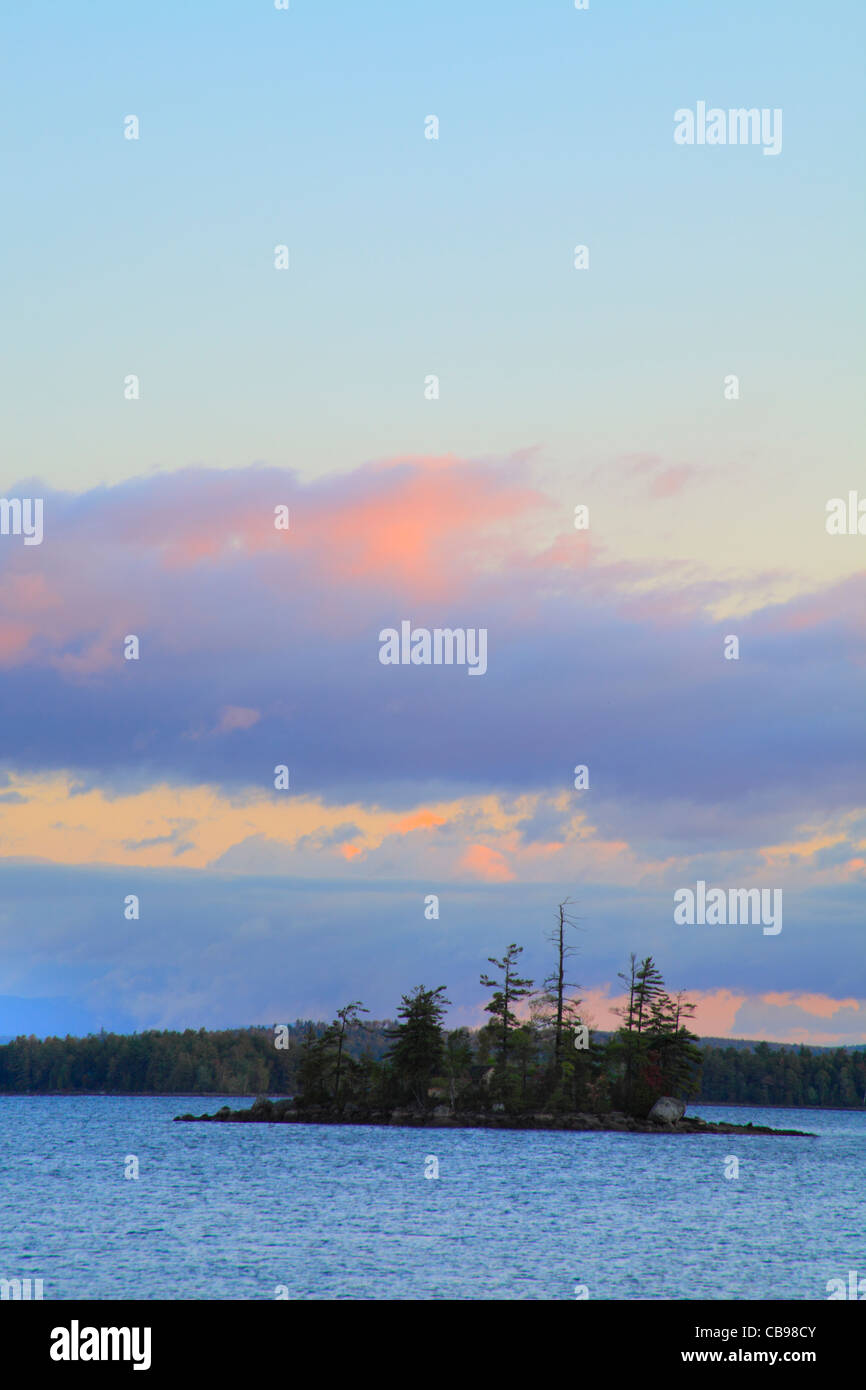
column 323, row 1062
column 418, row 1045
column 347, row 1017
column 508, row 992
column 524, row 1046
column 315, row 1065
column 646, row 1016
column 671, row 1045
column 649, row 991
column 458, row 1059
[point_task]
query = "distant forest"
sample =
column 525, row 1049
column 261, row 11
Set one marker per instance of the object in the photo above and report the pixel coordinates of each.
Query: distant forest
column 245, row 1062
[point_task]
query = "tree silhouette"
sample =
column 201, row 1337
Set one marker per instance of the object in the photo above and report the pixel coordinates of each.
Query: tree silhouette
column 511, row 989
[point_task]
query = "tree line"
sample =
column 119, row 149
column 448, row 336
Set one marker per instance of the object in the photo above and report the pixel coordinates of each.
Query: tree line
column 800, row 1078
column 243, row 1062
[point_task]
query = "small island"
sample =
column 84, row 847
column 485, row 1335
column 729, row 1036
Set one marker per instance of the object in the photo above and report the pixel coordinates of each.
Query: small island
column 666, row 1117
column 545, row 1069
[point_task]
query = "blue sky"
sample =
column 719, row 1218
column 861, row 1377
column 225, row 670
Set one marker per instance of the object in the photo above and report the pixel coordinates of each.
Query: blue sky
column 411, row 256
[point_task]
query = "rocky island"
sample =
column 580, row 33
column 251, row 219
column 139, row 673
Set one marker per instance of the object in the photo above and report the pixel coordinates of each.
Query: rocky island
column 545, row 1070
column 667, row 1116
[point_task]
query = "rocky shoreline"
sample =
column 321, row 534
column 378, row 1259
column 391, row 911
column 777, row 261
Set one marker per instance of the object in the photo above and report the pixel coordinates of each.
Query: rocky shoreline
column 266, row 1111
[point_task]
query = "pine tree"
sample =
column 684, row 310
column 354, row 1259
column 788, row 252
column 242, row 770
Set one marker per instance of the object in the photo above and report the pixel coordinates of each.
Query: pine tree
column 458, row 1059
column 648, row 992
column 524, row 1047
column 322, row 1064
column 347, row 1017
column 645, row 1010
column 626, row 1013
column 507, row 993
column 671, row 1042
column 315, row 1065
column 418, row 1042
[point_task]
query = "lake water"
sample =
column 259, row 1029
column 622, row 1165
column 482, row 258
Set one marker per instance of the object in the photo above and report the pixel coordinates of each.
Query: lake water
column 235, row 1211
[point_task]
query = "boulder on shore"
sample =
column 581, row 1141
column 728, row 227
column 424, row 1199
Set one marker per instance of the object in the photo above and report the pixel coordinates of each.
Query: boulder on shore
column 667, row 1109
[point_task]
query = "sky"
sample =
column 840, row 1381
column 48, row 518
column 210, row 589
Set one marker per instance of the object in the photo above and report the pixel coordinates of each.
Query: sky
column 431, row 388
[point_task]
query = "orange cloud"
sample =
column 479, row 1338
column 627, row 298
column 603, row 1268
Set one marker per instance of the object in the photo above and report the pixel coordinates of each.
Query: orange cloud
column 598, row 1005
column 194, row 826
column 821, row 1005
column 716, row 1011
column 799, row 849
column 714, row 1016
column 147, row 828
column 486, row 863
column 419, row 820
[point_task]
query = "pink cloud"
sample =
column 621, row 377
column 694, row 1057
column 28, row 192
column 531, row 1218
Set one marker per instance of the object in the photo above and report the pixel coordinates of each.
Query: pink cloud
column 714, row 1016
column 716, row 1011
column 418, row 521
column 661, row 481
column 821, row 1005
column 486, row 863
column 14, row 638
column 236, row 717
column 671, row 481
column 821, row 609
column 423, row 527
column 151, row 553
